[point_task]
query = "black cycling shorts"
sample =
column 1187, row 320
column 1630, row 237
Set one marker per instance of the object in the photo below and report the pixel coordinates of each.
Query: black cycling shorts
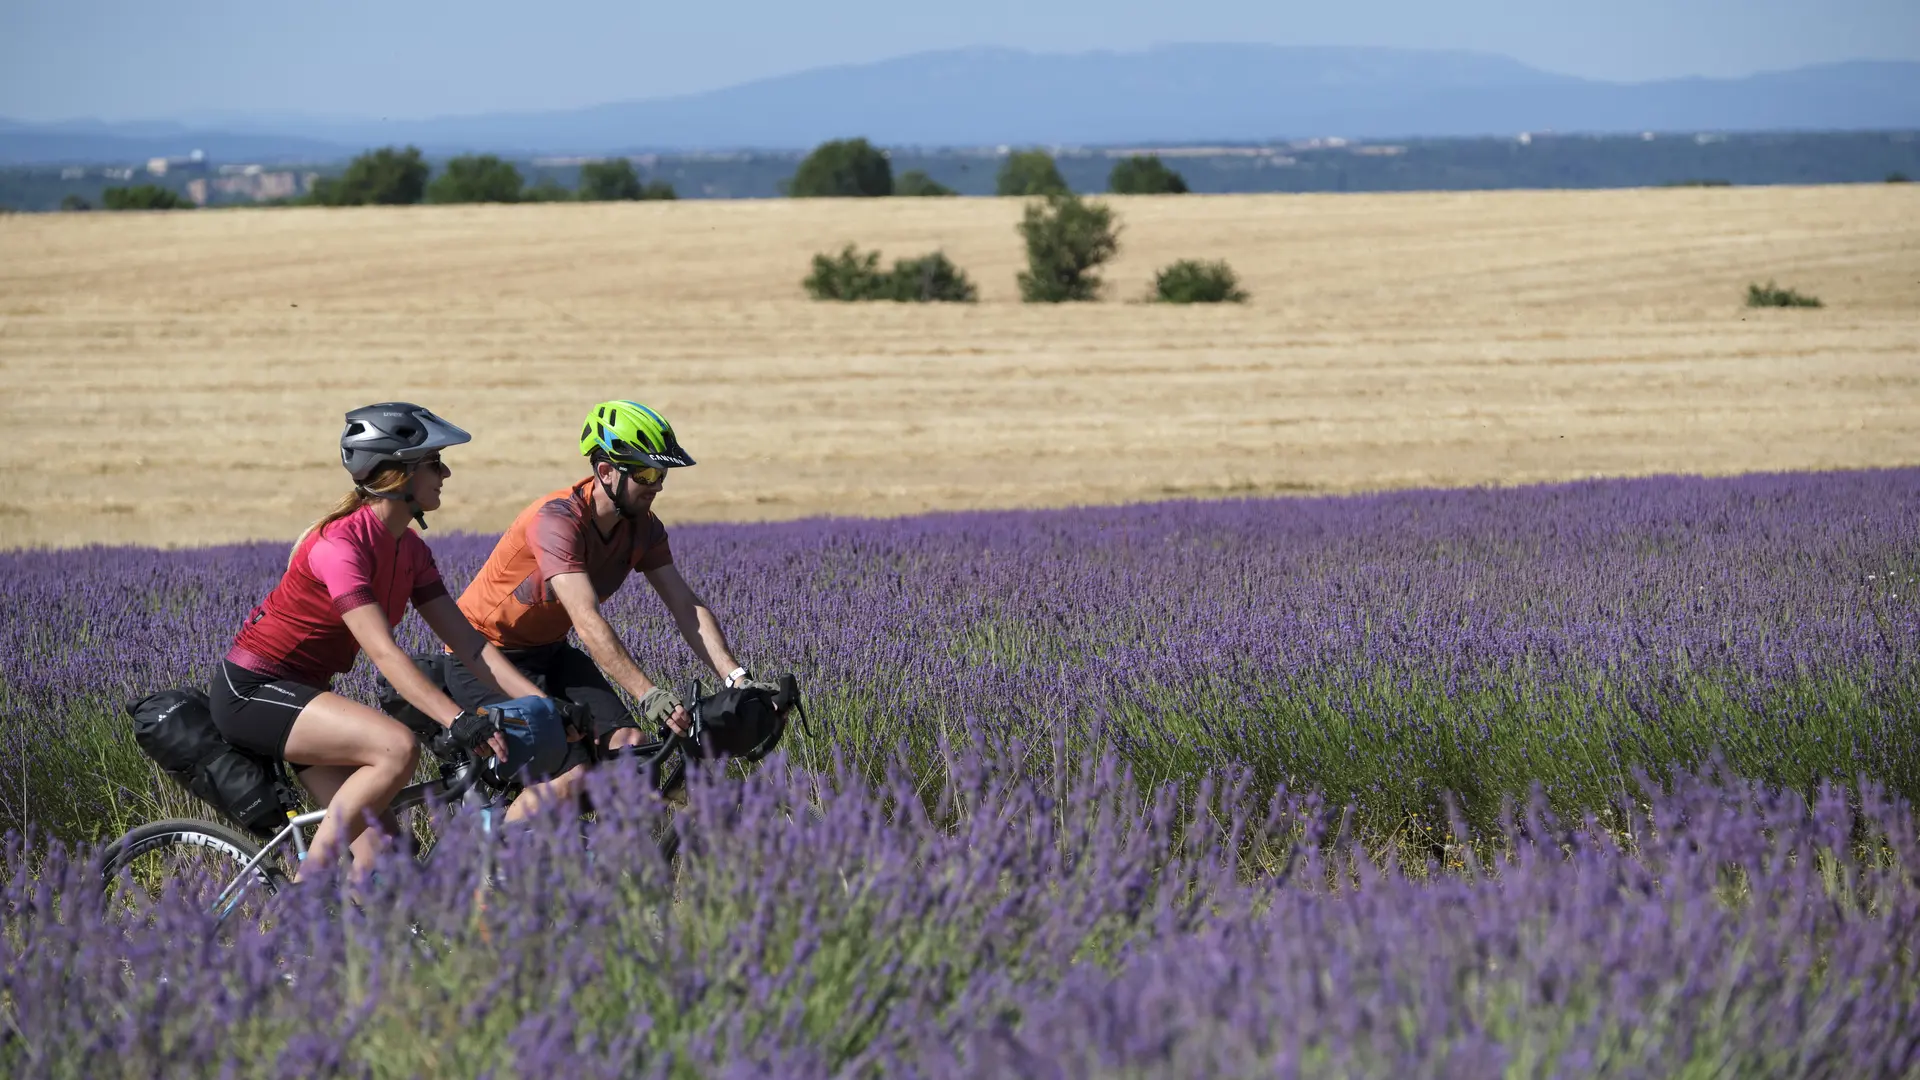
column 562, row 671
column 256, row 712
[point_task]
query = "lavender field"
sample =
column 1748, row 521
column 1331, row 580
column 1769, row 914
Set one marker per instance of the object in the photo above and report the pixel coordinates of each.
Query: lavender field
column 1380, row 650
column 1604, row 779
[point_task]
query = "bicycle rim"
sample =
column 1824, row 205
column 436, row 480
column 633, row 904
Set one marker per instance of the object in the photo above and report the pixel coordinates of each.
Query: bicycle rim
column 198, row 862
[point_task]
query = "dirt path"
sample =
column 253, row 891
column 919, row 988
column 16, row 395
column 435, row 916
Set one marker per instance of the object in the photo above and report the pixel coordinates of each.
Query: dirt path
column 179, row 378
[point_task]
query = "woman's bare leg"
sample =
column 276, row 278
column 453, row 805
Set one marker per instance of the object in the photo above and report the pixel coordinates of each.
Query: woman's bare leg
column 321, row 782
column 379, row 755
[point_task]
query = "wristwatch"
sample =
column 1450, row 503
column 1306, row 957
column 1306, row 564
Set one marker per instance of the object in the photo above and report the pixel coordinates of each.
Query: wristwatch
column 735, row 677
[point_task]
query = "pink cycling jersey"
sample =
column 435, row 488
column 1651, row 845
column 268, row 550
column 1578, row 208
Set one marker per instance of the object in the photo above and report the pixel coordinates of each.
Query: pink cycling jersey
column 297, row 632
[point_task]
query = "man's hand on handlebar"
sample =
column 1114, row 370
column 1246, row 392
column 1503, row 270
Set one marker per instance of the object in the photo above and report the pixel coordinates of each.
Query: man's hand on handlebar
column 472, row 732
column 663, row 706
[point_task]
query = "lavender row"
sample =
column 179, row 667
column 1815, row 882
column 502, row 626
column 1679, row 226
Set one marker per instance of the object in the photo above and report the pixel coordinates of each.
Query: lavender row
column 1381, row 649
column 821, row 925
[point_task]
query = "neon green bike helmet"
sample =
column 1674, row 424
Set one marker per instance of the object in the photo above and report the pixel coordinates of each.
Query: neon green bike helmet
column 631, row 435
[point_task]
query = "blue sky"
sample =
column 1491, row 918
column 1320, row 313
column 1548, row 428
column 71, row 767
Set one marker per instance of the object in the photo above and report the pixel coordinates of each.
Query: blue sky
column 137, row 59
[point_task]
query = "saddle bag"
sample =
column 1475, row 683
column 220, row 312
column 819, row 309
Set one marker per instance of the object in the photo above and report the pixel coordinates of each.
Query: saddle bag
column 175, row 729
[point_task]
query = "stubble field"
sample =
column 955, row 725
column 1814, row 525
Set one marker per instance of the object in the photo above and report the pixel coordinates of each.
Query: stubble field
column 178, row 378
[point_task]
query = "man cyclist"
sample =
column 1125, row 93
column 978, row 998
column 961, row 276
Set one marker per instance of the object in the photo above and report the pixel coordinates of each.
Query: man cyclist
column 566, row 554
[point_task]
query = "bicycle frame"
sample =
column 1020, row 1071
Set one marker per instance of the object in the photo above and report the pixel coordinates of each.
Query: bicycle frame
column 451, row 786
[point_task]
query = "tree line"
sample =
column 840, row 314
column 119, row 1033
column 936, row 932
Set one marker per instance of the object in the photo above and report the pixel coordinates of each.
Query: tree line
column 393, row 176
column 855, row 168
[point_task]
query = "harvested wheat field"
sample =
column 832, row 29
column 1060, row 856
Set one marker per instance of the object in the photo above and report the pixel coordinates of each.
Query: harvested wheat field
column 179, row 378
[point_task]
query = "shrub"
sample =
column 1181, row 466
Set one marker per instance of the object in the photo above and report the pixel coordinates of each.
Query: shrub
column 852, row 275
column 144, row 197
column 1707, row 182
column 1771, row 295
column 75, row 202
column 475, row 178
column 931, row 279
column 915, row 182
column 1145, row 175
column 849, row 275
column 1030, row 173
column 658, row 191
column 1898, row 178
column 383, row 177
column 1191, row 281
column 843, row 168
column 1066, row 240
column 611, row 180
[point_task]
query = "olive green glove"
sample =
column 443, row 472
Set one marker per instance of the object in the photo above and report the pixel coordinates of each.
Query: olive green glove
column 659, row 704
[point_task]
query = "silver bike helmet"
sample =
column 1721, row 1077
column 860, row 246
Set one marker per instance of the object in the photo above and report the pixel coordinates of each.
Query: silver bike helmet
column 393, row 431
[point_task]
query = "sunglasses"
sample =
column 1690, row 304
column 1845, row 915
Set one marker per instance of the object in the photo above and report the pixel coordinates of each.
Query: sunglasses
column 649, row 476
column 435, row 464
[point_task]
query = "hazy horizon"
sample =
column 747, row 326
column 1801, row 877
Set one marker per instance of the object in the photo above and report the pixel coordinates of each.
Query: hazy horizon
column 115, row 60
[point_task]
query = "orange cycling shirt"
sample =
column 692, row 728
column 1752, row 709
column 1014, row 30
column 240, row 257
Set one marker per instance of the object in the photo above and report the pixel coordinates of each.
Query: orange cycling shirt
column 511, row 599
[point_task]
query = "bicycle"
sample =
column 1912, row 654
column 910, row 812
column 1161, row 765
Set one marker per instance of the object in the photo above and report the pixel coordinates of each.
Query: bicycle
column 196, row 850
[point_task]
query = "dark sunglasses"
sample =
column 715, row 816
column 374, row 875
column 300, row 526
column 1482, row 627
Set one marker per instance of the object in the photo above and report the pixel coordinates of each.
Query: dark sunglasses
column 648, row 476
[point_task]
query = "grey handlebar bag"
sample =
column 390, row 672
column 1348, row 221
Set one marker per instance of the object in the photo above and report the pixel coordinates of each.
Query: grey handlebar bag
column 175, row 729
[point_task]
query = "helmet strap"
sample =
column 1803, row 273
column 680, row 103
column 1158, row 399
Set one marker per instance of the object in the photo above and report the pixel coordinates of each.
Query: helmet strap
column 419, row 515
column 615, row 496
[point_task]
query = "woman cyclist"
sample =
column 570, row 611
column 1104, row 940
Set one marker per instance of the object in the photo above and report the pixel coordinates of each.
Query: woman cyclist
column 348, row 582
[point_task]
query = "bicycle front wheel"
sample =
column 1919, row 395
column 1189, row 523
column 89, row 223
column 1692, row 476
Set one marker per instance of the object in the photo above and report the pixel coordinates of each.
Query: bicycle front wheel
column 202, row 862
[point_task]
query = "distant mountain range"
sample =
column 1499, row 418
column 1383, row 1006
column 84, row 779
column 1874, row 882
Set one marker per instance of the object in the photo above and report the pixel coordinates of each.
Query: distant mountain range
column 988, row 96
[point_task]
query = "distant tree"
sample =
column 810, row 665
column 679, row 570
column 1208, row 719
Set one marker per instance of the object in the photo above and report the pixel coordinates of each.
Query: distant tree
column 1899, row 178
column 383, row 177
column 75, row 202
column 1030, row 172
column 547, row 190
column 144, row 197
column 658, row 191
column 840, row 169
column 611, row 180
column 1145, row 174
column 1066, row 240
column 916, row 182
column 475, row 178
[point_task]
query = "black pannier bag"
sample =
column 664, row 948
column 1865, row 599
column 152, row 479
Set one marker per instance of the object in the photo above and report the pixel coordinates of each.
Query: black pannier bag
column 175, row 729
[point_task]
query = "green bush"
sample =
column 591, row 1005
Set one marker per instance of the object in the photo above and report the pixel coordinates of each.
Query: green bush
column 915, row 182
column 383, row 177
column 658, row 191
column 843, row 168
column 1771, row 295
column 1030, row 173
column 1191, row 281
column 853, row 275
column 547, row 190
column 1145, row 175
column 476, row 178
column 931, row 279
column 144, row 197
column 1899, row 178
column 1066, row 240
column 75, row 202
